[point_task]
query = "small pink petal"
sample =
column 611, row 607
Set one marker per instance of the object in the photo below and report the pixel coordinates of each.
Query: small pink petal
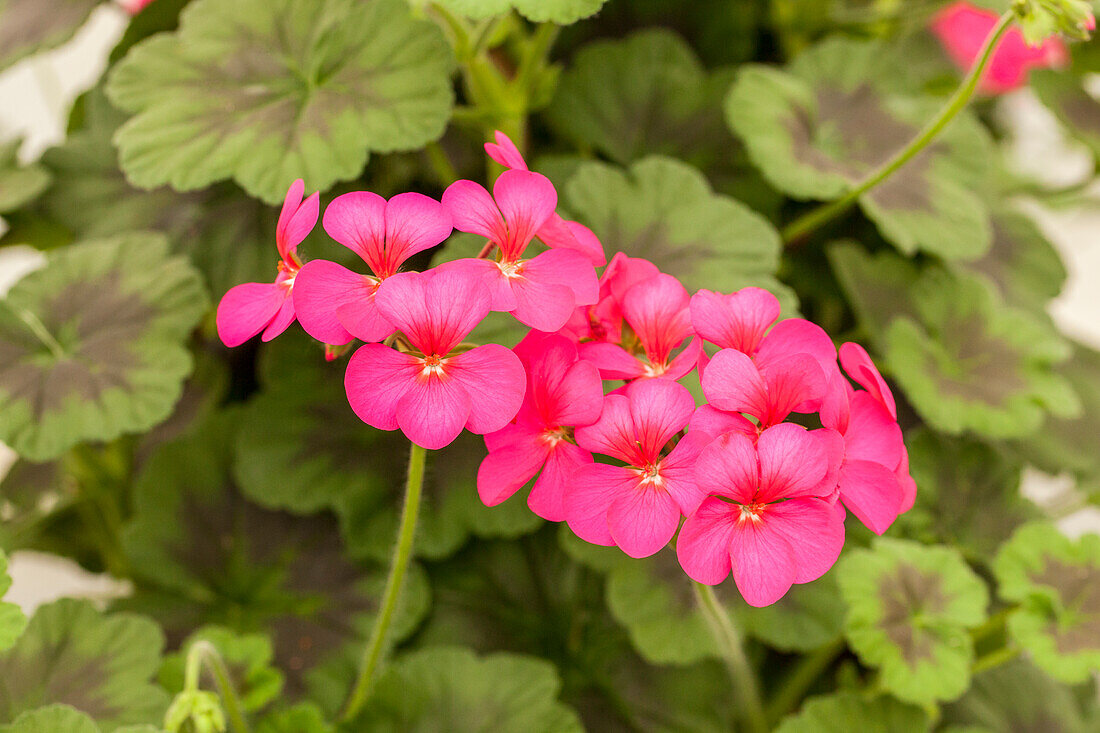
column 376, row 379
column 488, row 272
column 433, row 411
column 526, row 200
column 685, row 361
column 908, row 485
column 732, row 383
column 473, row 210
column 503, row 472
column 793, row 462
column 813, row 529
column 728, row 467
column 587, row 499
column 872, row 434
column 764, row 562
column 857, row 362
column 643, row 520
column 505, row 152
column 796, row 336
column 357, row 220
column 362, row 319
column 282, row 320
column 613, row 434
column 657, row 310
column 568, row 268
column 872, row 492
column 736, row 321
column 542, row 305
column 659, row 409
column 558, row 233
column 319, row 289
column 703, row 545
column 678, row 472
column 414, row 223
column 613, row 361
column 547, row 497
column 494, row 379
column 247, row 309
column 794, row 383
column 712, row 422
column 435, row 310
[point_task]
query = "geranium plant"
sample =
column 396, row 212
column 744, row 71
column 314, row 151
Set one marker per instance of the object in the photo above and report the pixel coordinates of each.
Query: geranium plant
column 654, row 367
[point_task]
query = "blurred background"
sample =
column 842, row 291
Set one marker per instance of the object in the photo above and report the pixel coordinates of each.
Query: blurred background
column 37, row 93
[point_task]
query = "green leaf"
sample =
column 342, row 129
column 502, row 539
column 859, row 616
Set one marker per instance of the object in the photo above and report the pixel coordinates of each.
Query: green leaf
column 302, row 718
column 972, row 363
column 12, row 620
column 19, row 185
column 879, row 286
column 266, row 92
column 92, row 345
column 27, row 26
column 1057, row 582
column 101, row 665
column 450, row 688
column 955, row 475
column 1017, row 697
column 64, row 719
column 1065, row 95
column 818, row 129
column 847, row 711
column 665, row 211
column 909, row 608
column 247, row 658
column 562, row 12
column 301, row 428
column 202, row 554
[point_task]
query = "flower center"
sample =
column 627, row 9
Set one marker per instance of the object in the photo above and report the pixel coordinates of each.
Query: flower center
column 655, row 370
column 752, row 512
column 650, row 475
column 512, row 269
column 433, row 365
column 553, row 436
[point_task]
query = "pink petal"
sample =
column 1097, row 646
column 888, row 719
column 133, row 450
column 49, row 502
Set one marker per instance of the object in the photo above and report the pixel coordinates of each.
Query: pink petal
column 712, row 422
column 473, row 210
column 685, row 361
column 291, row 202
column 547, row 497
column 435, row 310
column 678, row 472
column 623, row 273
column 659, row 409
column 793, row 383
column 362, row 318
column 283, row 318
column 732, row 383
column 703, row 546
column 857, row 362
column 545, row 306
column 657, row 310
column 376, row 379
column 563, row 390
column 643, row 520
column 728, row 467
column 796, row 336
column 558, row 233
column 613, row 361
column 503, row 472
column 526, row 200
column 297, row 218
column 872, row 492
column 414, row 223
column 433, row 411
column 568, row 268
column 488, row 272
column 835, row 405
column 908, row 485
column 872, row 434
column 494, row 379
column 587, row 499
column 247, row 309
column 813, row 530
column 357, row 220
column 505, row 152
column 319, row 289
column 833, row 444
column 764, row 562
column 613, row 434
column 792, row 462
column 736, row 321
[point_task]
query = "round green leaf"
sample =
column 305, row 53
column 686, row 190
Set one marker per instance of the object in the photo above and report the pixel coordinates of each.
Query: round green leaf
column 92, row 345
column 1057, row 582
column 12, row 620
column 562, row 12
column 27, row 26
column 909, row 608
column 450, row 688
column 665, row 211
column 267, row 91
column 847, row 711
column 100, row 665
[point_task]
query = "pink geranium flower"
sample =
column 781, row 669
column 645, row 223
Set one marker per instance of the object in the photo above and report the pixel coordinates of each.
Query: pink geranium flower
column 637, row 506
column 562, row 393
column 556, row 232
column 540, row 292
column 962, row 29
column 247, row 309
column 769, row 518
column 430, row 391
column 133, row 7
column 335, row 304
column 656, row 309
column 603, row 321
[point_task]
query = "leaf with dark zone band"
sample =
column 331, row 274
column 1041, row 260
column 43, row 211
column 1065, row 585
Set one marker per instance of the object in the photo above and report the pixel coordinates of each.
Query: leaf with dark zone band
column 1016, row 697
column 1057, row 582
column 847, row 711
column 955, row 475
column 665, row 211
column 909, row 608
column 819, row 128
column 12, row 620
column 19, row 184
column 452, row 689
column 301, row 428
column 201, row 554
column 313, row 86
column 28, row 26
column 92, row 345
column 99, row 664
column 248, row 659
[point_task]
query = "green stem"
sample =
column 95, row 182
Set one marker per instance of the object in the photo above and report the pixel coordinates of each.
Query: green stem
column 994, row 658
column 402, row 554
column 801, row 678
column 807, row 223
column 992, row 625
column 206, row 652
column 441, row 164
column 733, row 652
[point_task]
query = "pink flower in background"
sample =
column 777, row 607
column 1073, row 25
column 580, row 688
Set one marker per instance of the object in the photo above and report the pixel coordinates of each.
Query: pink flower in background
column 770, row 516
column 335, row 304
column 540, row 292
column 962, row 29
column 562, row 392
column 430, row 393
column 133, row 7
column 637, row 506
column 246, row 310
column 556, row 231
column 656, row 309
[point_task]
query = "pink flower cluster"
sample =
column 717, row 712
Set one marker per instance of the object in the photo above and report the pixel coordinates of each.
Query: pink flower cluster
column 588, row 408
